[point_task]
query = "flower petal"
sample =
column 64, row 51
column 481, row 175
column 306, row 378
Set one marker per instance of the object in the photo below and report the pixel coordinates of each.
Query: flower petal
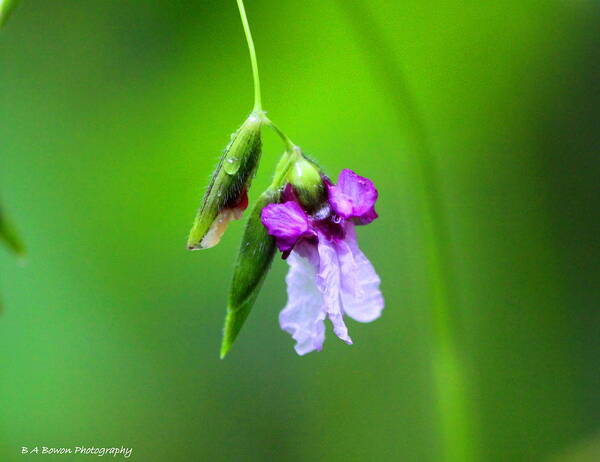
column 367, row 217
column 219, row 225
column 287, row 222
column 360, row 294
column 349, row 281
column 353, row 197
column 340, row 202
column 303, row 315
column 328, row 282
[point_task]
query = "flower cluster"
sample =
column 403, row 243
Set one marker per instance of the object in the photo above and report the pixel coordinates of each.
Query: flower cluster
column 311, row 220
column 329, row 276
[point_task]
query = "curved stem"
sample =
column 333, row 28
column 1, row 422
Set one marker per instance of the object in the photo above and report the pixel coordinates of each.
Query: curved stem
column 281, row 171
column 449, row 370
column 289, row 144
column 253, row 61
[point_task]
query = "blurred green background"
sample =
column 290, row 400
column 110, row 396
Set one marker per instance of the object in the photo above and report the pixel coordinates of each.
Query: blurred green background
column 112, row 114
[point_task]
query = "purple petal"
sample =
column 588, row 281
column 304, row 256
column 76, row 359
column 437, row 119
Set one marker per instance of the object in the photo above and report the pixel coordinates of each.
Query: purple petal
column 340, row 202
column 288, row 194
column 367, row 217
column 328, row 282
column 287, row 222
column 303, row 315
column 353, row 197
column 360, row 294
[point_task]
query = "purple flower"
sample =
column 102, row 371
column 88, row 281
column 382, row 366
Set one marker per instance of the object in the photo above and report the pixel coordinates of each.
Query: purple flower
column 353, row 197
column 329, row 276
column 287, row 223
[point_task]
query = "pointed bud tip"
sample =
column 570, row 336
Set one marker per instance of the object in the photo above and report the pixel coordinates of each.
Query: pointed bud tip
column 224, row 351
column 229, row 334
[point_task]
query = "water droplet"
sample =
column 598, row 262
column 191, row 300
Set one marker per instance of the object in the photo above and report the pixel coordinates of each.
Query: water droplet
column 232, row 165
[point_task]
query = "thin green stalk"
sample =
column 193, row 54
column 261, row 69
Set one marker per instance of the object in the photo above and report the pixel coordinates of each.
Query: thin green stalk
column 448, row 364
column 253, row 61
column 284, row 165
column 289, row 144
column 257, row 95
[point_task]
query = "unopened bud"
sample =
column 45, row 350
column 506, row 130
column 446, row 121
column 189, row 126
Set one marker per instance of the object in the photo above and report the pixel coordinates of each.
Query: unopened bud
column 306, row 179
column 226, row 197
column 253, row 262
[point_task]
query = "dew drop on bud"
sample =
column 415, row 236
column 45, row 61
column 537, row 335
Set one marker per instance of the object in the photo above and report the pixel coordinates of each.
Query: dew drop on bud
column 228, row 185
column 232, row 165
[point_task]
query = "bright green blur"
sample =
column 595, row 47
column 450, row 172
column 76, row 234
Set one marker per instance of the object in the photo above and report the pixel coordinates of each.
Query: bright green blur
column 6, row 8
column 112, row 118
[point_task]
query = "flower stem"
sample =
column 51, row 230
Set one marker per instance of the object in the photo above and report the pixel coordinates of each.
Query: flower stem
column 289, row 144
column 449, row 371
column 253, row 61
column 257, row 95
column 281, row 171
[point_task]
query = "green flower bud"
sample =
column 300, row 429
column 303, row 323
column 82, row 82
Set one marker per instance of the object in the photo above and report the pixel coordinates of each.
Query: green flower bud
column 6, row 7
column 306, row 179
column 253, row 262
column 226, row 196
column 9, row 236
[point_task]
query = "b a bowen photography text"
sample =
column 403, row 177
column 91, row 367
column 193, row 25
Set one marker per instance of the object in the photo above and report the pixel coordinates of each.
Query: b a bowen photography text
column 81, row 450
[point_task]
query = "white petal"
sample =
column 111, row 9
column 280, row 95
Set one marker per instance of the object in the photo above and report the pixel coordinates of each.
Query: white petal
column 360, row 294
column 328, row 282
column 218, row 227
column 304, row 313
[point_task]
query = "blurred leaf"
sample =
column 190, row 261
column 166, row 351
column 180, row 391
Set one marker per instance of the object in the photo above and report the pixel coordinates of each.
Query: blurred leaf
column 9, row 235
column 6, row 7
column 254, row 259
column 587, row 450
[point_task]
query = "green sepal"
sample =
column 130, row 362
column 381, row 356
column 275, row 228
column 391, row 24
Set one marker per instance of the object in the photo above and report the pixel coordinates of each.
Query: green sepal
column 253, row 262
column 231, row 177
column 9, row 235
column 6, row 8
